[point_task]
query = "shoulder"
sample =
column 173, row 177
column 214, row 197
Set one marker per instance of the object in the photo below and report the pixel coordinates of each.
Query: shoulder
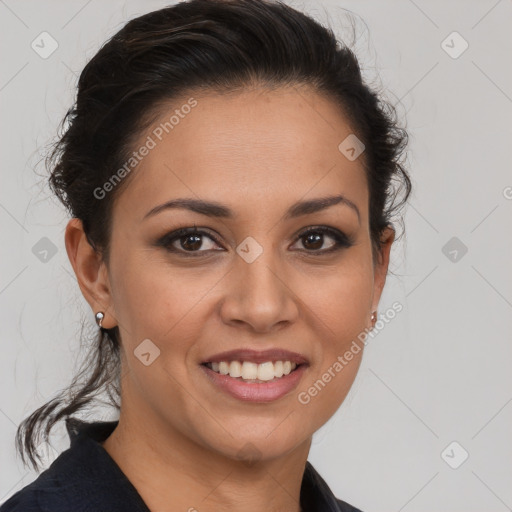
column 38, row 496
column 83, row 478
column 47, row 493
column 25, row 500
column 343, row 506
column 62, row 486
column 316, row 494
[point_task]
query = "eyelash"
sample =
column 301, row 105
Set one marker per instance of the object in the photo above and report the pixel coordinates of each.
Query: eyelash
column 342, row 241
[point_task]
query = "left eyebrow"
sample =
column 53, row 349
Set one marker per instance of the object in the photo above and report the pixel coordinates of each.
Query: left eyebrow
column 319, row 204
column 214, row 209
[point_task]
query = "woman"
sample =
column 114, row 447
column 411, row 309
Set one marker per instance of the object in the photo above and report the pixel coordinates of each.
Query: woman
column 229, row 178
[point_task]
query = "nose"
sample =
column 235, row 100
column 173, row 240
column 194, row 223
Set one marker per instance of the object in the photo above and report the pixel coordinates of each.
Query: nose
column 259, row 296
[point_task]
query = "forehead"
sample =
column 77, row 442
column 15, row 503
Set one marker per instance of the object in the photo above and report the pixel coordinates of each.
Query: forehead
column 245, row 149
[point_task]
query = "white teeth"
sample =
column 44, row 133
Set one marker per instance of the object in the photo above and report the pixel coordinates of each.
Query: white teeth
column 235, row 369
column 251, row 371
column 265, row 371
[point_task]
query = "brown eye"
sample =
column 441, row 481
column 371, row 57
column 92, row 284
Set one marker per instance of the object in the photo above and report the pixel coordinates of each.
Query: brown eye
column 189, row 240
column 314, row 239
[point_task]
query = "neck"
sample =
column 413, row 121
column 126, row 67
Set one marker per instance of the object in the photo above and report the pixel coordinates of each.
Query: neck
column 167, row 467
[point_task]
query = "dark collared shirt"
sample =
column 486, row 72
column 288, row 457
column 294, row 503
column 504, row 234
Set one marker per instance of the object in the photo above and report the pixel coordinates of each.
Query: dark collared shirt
column 84, row 478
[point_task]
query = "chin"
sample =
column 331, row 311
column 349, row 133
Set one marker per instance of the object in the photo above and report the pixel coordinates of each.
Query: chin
column 267, row 442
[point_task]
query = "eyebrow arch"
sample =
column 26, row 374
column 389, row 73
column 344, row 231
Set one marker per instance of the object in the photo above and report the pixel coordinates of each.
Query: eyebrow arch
column 214, row 209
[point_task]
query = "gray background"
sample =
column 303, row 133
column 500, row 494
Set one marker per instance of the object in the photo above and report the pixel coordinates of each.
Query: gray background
column 438, row 373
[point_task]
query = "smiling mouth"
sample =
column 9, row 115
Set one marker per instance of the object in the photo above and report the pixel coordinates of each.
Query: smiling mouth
column 247, row 371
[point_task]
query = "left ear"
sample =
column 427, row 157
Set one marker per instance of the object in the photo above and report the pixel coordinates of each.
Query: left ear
column 381, row 265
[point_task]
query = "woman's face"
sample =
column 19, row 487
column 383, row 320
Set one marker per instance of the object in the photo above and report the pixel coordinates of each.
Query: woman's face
column 247, row 280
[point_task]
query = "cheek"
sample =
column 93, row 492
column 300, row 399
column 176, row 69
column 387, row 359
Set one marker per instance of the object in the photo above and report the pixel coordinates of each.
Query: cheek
column 340, row 303
column 159, row 303
column 323, row 393
column 341, row 299
column 152, row 298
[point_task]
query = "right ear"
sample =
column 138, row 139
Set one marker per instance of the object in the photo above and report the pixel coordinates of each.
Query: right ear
column 91, row 272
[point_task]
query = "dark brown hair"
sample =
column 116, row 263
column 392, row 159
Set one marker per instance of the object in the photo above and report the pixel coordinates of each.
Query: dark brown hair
column 211, row 46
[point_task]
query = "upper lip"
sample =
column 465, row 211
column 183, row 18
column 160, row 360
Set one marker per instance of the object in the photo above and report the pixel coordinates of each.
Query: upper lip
column 258, row 356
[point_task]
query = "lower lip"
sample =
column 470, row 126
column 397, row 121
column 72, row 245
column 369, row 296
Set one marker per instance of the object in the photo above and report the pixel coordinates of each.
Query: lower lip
column 254, row 391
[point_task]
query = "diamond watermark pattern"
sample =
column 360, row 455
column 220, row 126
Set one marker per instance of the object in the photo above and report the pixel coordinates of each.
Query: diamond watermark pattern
column 44, row 45
column 351, row 147
column 454, row 45
column 454, row 455
column 249, row 454
column 454, row 249
column 44, row 249
column 249, row 249
column 146, row 352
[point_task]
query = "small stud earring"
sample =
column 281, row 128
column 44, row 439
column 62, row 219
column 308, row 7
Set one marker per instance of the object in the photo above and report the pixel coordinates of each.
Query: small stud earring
column 374, row 318
column 99, row 318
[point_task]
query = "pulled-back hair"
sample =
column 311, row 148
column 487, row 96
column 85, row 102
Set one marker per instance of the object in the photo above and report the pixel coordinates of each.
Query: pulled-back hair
column 207, row 46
